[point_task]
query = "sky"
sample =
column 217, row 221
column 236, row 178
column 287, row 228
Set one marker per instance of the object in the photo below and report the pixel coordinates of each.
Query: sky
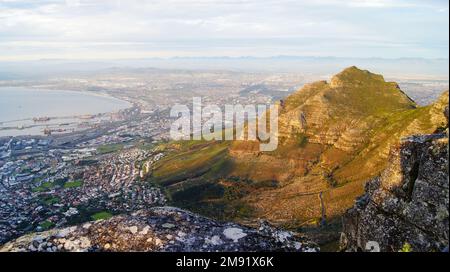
column 132, row 29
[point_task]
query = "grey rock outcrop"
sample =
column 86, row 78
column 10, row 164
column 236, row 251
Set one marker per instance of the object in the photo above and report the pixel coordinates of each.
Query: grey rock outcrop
column 407, row 206
column 161, row 229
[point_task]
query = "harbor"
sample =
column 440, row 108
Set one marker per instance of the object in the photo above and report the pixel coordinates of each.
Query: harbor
column 54, row 112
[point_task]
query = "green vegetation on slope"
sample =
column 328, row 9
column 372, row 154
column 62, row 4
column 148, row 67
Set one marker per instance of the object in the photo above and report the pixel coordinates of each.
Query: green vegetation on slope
column 190, row 160
column 73, row 184
column 351, row 123
column 101, row 216
column 50, row 200
column 47, row 186
column 105, row 149
column 46, row 225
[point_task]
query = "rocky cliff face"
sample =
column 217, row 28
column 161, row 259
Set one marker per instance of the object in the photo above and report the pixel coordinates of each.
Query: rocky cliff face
column 406, row 207
column 333, row 136
column 161, row 229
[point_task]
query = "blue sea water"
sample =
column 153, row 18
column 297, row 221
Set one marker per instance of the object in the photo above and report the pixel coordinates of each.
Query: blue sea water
column 18, row 103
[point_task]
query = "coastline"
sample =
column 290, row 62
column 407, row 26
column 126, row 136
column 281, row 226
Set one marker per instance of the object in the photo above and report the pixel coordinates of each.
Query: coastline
column 62, row 120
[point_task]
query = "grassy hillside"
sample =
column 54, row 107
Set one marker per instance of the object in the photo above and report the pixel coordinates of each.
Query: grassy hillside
column 333, row 137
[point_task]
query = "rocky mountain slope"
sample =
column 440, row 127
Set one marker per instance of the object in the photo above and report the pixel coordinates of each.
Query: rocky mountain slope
column 160, row 229
column 334, row 136
column 406, row 207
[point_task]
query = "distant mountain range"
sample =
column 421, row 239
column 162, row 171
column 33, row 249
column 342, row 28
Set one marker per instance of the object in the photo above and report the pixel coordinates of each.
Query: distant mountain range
column 410, row 67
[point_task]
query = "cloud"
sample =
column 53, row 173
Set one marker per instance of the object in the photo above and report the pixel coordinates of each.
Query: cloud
column 271, row 27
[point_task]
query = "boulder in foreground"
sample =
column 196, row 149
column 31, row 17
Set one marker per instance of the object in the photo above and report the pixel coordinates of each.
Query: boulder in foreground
column 161, row 229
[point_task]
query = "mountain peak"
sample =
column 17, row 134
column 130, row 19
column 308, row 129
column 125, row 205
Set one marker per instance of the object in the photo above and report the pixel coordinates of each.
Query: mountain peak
column 355, row 76
column 443, row 98
column 352, row 91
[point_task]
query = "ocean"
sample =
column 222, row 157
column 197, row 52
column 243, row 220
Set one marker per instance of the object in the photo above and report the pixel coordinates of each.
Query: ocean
column 19, row 105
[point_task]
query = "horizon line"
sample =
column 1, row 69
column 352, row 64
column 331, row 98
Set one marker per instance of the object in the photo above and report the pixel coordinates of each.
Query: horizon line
column 229, row 57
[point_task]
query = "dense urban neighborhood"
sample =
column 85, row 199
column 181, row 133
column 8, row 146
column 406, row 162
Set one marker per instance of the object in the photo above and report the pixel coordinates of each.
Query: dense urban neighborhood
column 43, row 186
column 97, row 168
